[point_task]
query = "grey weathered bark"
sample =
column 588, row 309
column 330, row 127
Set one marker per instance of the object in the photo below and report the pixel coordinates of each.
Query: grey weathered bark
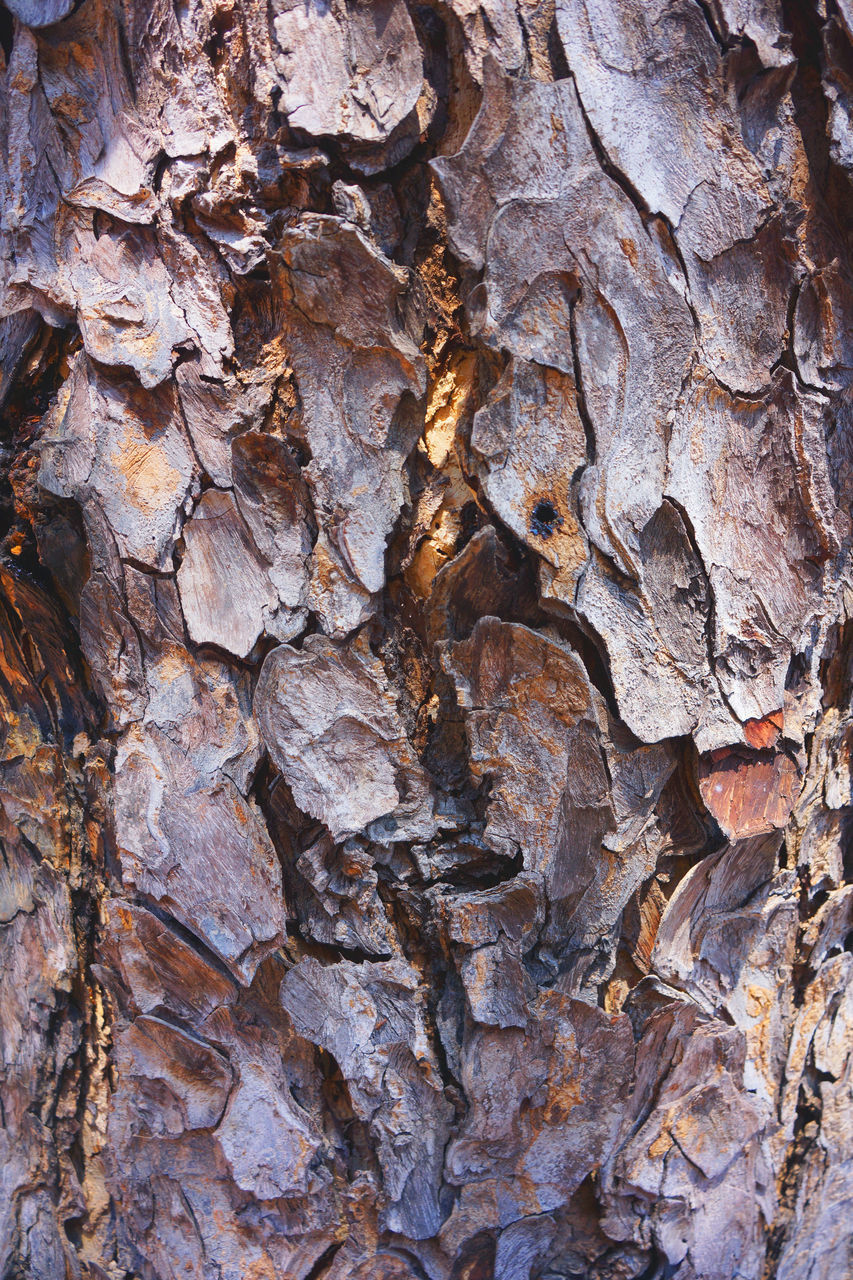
column 427, row 625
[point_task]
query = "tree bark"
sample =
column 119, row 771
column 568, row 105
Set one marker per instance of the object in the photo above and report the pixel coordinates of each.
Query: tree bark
column 426, row 627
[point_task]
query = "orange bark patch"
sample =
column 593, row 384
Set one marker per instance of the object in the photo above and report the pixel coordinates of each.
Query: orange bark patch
column 748, row 792
column 629, row 249
column 147, row 472
column 764, row 733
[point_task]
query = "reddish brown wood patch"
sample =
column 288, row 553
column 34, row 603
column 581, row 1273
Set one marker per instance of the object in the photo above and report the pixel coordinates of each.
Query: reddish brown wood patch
column 748, row 792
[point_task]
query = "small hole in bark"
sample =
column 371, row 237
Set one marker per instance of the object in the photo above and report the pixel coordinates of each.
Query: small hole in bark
column 7, row 29
column 470, row 520
column 74, row 1231
column 101, row 223
column 544, row 519
column 160, row 166
column 216, row 47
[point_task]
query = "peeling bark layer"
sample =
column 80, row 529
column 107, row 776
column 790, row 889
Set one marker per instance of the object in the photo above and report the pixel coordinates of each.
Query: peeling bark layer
column 426, row 626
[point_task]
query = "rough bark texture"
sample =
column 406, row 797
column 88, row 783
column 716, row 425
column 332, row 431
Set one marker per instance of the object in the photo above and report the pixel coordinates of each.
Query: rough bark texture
column 426, row 640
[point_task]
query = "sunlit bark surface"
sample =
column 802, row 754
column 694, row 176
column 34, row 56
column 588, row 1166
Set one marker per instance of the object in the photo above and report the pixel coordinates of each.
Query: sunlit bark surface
column 426, row 629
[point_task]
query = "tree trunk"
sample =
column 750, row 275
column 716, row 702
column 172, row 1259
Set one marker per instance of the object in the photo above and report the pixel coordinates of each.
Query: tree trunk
column 427, row 627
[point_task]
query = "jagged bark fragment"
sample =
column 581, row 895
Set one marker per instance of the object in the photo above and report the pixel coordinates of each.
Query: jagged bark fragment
column 328, row 718
column 354, row 368
column 425, row 640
